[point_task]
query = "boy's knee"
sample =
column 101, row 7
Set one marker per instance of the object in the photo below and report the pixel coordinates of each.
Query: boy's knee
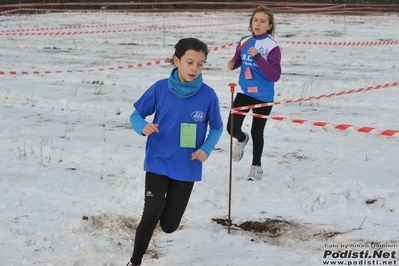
column 168, row 228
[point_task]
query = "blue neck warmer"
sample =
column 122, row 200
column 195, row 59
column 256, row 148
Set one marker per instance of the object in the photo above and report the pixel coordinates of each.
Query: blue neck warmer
column 183, row 90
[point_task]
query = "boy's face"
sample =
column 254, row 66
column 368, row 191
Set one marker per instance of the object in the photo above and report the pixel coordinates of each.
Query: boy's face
column 190, row 65
column 260, row 23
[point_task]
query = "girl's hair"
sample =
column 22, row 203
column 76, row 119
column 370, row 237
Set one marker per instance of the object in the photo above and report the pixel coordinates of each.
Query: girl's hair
column 269, row 13
column 188, row 44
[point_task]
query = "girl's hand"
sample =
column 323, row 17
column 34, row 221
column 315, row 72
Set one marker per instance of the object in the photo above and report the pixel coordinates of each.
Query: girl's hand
column 253, row 51
column 149, row 129
column 199, row 155
column 231, row 64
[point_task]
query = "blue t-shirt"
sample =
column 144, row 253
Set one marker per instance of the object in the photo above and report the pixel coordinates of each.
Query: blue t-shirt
column 163, row 152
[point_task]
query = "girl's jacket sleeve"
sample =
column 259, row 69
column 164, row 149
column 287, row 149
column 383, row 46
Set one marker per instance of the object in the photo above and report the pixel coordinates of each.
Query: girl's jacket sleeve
column 270, row 67
column 138, row 122
column 237, row 57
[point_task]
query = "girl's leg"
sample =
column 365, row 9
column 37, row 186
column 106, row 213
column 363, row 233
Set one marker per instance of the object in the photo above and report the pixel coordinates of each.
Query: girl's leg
column 177, row 198
column 155, row 190
column 257, row 129
column 240, row 100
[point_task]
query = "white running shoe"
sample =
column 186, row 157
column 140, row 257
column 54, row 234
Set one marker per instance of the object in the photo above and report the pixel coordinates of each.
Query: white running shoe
column 238, row 150
column 256, row 173
column 131, row 264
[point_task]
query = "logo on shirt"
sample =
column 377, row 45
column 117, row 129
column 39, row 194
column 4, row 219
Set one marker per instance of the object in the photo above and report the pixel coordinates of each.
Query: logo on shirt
column 198, row 116
column 246, row 57
column 149, row 194
column 263, row 51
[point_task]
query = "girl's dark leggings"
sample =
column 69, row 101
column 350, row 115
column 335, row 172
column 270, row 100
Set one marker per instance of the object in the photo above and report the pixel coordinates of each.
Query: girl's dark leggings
column 257, row 128
column 165, row 201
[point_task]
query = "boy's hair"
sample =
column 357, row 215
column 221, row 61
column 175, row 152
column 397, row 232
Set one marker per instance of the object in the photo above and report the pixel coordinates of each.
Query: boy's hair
column 189, row 44
column 269, row 13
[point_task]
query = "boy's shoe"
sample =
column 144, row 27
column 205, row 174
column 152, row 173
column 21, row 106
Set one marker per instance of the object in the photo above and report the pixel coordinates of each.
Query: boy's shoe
column 131, row 264
column 238, row 150
column 256, row 173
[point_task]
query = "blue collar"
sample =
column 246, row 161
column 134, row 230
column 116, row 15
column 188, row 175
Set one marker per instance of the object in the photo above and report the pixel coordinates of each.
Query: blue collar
column 262, row 36
column 183, row 90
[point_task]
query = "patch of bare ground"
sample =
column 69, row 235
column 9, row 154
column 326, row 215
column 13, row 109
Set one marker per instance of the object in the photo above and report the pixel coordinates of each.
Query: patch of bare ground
column 278, row 231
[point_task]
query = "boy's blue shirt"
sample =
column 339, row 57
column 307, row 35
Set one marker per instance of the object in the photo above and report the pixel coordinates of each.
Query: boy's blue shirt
column 163, row 152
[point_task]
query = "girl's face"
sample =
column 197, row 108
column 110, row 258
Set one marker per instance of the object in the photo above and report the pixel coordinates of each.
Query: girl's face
column 190, row 65
column 260, row 23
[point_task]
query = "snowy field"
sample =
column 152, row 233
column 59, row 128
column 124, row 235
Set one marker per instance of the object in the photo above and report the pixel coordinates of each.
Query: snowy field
column 72, row 183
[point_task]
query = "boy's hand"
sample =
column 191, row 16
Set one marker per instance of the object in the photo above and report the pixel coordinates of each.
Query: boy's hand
column 150, row 128
column 199, row 155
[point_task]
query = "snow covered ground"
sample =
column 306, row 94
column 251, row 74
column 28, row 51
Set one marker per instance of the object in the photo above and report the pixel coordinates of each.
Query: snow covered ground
column 72, row 184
